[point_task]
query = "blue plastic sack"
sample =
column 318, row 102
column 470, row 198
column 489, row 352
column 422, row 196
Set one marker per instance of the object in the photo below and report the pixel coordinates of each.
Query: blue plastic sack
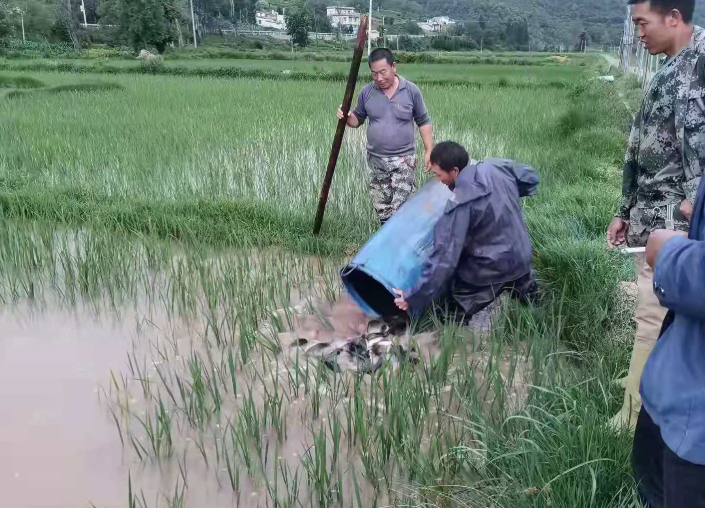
column 395, row 255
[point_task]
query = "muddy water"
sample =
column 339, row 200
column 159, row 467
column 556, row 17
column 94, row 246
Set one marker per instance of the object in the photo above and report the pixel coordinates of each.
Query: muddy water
column 58, row 445
column 61, row 448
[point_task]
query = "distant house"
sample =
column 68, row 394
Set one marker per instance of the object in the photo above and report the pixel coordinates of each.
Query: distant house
column 436, row 25
column 344, row 17
column 270, row 19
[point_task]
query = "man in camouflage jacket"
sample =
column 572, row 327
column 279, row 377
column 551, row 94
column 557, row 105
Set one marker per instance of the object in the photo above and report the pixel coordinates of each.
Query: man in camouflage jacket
column 663, row 163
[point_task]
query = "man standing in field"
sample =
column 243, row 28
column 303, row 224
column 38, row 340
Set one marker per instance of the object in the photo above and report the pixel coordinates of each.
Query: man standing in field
column 393, row 105
column 664, row 163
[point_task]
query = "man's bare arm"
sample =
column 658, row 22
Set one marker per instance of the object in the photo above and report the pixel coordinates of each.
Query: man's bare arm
column 426, row 132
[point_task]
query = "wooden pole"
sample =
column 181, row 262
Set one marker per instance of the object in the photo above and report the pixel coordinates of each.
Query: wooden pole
column 342, row 124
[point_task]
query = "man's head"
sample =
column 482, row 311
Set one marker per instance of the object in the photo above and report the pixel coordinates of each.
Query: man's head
column 383, row 67
column 448, row 159
column 662, row 25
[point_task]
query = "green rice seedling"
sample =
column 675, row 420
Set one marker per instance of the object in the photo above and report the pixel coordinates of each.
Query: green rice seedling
column 250, row 421
column 213, row 385
column 321, row 479
column 197, row 405
column 233, row 470
column 178, row 499
column 159, row 431
column 140, row 450
column 138, row 373
column 201, row 447
column 117, row 425
column 231, row 370
column 291, row 484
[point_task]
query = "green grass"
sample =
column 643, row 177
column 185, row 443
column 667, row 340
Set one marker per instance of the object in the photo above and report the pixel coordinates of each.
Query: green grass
column 19, row 82
column 77, row 88
column 461, row 75
column 244, row 150
column 218, row 167
column 116, row 197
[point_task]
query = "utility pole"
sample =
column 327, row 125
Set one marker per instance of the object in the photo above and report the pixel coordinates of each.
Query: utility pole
column 193, row 23
column 369, row 32
column 19, row 11
column 83, row 10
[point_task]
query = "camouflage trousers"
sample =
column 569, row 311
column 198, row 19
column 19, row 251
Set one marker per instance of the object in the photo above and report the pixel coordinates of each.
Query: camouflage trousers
column 392, row 181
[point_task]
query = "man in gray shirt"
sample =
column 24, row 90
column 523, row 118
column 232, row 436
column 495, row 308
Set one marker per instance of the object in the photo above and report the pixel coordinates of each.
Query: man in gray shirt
column 393, row 105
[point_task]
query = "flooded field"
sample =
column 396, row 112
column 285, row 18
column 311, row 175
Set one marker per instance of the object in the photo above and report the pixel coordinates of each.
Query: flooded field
column 277, row 392
column 172, row 335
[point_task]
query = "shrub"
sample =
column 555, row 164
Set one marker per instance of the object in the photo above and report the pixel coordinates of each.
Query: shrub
column 153, row 64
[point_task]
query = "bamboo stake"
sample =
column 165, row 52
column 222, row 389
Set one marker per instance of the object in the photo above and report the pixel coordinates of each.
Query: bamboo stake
column 342, row 124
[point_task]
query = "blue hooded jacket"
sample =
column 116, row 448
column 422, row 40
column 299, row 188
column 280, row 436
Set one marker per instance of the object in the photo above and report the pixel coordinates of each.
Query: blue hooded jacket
column 673, row 382
column 481, row 239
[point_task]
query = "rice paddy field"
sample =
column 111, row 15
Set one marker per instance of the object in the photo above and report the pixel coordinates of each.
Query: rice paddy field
column 173, row 335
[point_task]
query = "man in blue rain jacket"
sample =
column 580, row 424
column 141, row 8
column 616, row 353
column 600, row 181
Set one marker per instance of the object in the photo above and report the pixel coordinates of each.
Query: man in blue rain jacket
column 669, row 441
column 481, row 247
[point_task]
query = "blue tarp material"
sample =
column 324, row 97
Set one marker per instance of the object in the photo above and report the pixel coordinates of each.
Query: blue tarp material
column 395, row 255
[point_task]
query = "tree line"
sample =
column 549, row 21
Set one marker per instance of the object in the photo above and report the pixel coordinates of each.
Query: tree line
column 492, row 24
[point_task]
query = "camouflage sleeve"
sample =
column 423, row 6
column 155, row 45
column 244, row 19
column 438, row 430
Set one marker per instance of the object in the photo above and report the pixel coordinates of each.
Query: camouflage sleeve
column 690, row 188
column 694, row 133
column 630, row 174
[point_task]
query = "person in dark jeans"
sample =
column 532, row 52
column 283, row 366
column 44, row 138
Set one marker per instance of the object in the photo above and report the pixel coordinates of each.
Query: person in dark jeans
column 669, row 440
column 481, row 247
column 476, row 298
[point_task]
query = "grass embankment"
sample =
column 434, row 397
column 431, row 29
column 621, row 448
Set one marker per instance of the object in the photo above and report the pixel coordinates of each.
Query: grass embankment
column 479, row 76
column 212, row 163
column 219, row 52
column 19, row 82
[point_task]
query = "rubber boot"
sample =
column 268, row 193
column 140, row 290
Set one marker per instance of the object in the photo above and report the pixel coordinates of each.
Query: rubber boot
column 621, row 383
column 629, row 413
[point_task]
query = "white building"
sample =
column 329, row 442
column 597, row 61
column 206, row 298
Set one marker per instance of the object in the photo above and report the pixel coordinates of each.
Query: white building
column 270, row 19
column 436, row 25
column 343, row 16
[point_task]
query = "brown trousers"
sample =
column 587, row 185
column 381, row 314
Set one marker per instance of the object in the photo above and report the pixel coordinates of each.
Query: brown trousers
column 649, row 319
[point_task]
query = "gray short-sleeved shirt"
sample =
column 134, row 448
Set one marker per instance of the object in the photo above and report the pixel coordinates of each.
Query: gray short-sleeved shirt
column 391, row 129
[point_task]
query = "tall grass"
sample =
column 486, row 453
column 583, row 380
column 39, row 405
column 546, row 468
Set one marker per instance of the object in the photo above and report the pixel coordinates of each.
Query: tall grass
column 229, row 179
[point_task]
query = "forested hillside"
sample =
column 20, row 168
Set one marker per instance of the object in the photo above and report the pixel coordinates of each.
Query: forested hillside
column 493, row 24
column 547, row 22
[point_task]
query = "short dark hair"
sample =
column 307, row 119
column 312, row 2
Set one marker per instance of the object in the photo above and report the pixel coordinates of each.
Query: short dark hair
column 382, row 54
column 449, row 155
column 685, row 7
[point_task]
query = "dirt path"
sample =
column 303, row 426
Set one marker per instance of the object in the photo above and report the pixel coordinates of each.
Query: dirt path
column 613, row 61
